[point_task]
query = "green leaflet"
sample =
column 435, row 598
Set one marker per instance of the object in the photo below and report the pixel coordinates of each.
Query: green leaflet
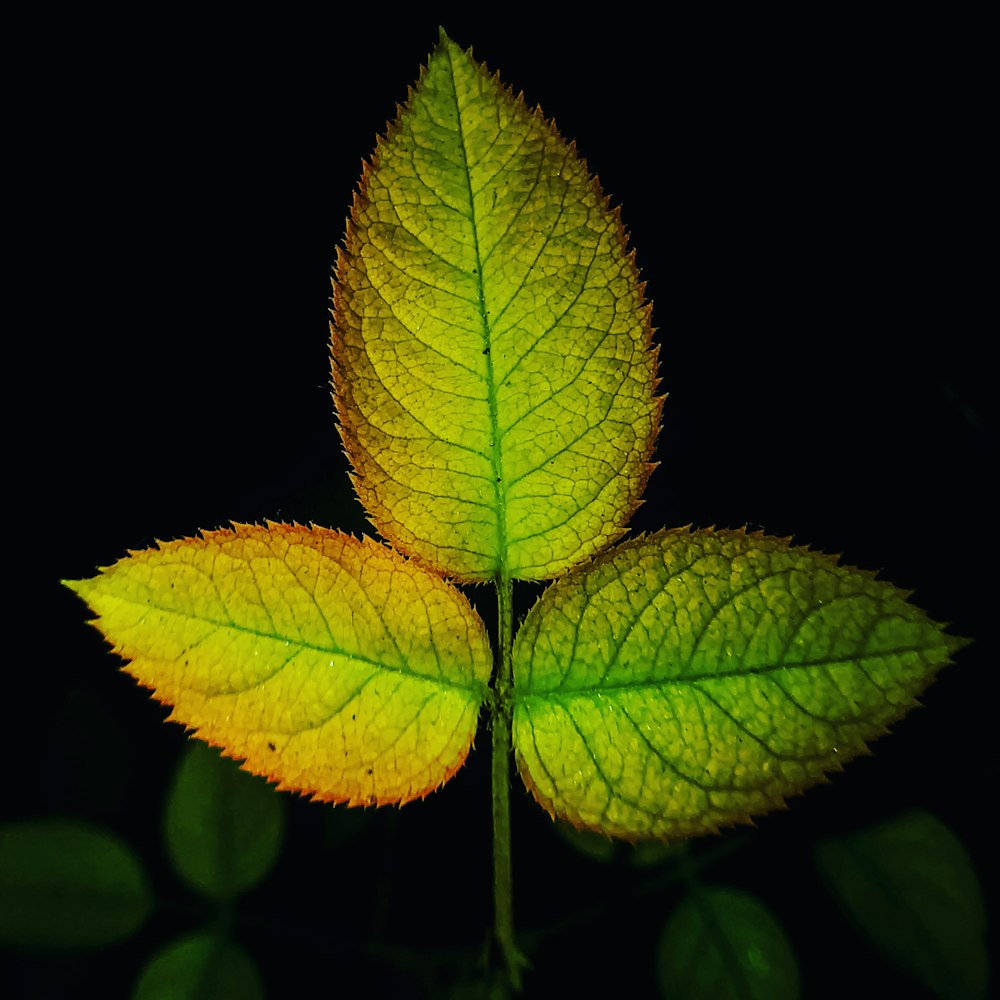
column 66, row 884
column 200, row 967
column 720, row 944
column 492, row 361
column 691, row 679
column 223, row 827
column 912, row 889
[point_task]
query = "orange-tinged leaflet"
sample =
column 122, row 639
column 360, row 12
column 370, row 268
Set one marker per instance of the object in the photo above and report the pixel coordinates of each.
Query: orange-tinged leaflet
column 493, row 367
column 331, row 665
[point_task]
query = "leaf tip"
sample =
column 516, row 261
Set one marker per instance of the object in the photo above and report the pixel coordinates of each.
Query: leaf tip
column 86, row 588
column 955, row 643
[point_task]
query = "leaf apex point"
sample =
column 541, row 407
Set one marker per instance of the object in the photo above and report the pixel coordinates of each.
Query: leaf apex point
column 956, row 642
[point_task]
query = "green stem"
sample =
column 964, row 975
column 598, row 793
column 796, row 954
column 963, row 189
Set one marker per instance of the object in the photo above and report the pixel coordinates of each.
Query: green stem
column 501, row 718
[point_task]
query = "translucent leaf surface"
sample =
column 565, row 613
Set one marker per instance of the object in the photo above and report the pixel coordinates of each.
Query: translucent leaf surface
column 68, row 885
column 200, row 967
column 494, row 377
column 910, row 887
column 720, row 944
column 223, row 826
column 332, row 665
column 689, row 680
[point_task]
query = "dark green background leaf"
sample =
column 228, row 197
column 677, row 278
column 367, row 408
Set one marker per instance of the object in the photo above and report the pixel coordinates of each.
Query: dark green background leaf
column 910, row 887
column 200, row 967
column 224, row 827
column 65, row 884
column 720, row 944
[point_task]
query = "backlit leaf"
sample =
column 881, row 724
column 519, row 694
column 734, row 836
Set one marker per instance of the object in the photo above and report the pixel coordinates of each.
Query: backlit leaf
column 720, row 944
column 223, row 826
column 492, row 362
column 910, row 886
column 200, row 967
column 66, row 884
column 689, row 680
column 332, row 665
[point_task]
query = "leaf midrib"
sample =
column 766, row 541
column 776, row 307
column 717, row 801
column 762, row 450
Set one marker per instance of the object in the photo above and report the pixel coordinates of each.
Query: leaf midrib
column 473, row 686
column 496, row 455
column 761, row 670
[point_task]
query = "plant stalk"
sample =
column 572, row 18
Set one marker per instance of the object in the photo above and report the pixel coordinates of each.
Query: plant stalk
column 501, row 720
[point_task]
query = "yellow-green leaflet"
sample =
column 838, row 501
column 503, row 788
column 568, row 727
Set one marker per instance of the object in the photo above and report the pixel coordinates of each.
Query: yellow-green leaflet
column 328, row 664
column 691, row 679
column 492, row 361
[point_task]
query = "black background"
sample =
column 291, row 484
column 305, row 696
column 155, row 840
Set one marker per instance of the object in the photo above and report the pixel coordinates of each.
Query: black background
column 804, row 202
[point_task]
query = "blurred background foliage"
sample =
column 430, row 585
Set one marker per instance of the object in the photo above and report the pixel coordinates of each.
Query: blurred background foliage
column 803, row 199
